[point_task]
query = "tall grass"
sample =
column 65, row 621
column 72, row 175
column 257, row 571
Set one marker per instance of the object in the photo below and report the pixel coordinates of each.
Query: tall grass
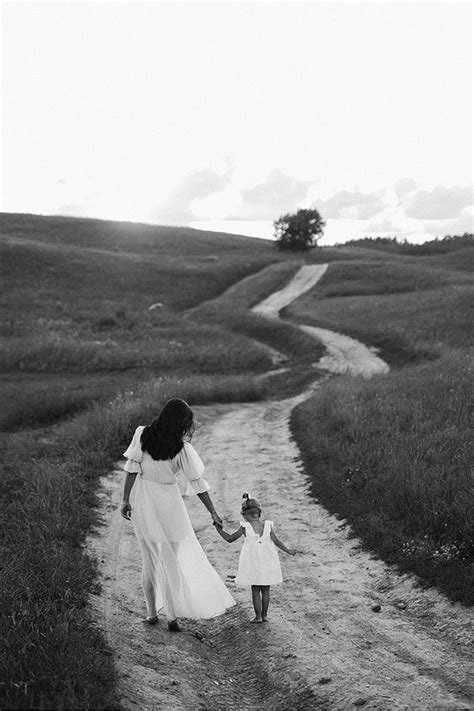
column 363, row 278
column 393, row 455
column 22, row 410
column 34, row 400
column 57, row 374
column 195, row 349
column 410, row 312
column 53, row 655
column 249, row 291
column 232, row 311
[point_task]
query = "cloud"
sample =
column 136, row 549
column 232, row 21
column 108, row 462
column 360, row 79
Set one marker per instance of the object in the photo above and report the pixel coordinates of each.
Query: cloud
column 195, row 186
column 352, row 205
column 404, row 186
column 456, row 226
column 276, row 195
column 441, row 203
column 382, row 227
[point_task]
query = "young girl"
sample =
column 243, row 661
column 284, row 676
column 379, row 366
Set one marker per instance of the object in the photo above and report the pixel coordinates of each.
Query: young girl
column 259, row 564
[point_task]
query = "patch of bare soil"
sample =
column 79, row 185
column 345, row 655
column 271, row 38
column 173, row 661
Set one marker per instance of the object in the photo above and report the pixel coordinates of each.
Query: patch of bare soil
column 344, row 630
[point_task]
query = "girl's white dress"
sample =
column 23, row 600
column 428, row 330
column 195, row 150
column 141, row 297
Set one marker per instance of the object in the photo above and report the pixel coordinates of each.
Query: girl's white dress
column 184, row 582
column 259, row 563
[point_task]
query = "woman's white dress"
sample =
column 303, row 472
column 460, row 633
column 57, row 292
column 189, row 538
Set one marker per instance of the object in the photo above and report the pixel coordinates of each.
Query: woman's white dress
column 259, row 563
column 184, row 582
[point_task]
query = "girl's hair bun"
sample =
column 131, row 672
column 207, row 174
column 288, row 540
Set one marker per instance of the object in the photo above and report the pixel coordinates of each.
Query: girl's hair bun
column 249, row 503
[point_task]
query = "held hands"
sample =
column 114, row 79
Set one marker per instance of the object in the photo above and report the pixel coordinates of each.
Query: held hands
column 216, row 520
column 126, row 511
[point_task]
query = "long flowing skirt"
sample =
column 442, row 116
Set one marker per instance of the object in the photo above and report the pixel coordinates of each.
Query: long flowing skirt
column 175, row 568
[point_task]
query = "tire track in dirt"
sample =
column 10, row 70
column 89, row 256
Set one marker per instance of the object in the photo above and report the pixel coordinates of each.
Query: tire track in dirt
column 323, row 646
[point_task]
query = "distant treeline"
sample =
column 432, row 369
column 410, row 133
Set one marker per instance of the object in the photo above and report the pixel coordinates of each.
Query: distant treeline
column 450, row 243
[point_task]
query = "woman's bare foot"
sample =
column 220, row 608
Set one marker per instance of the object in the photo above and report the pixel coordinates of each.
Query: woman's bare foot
column 258, row 620
column 173, row 626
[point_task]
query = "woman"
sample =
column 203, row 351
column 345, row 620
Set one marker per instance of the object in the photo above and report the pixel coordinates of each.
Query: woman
column 176, row 574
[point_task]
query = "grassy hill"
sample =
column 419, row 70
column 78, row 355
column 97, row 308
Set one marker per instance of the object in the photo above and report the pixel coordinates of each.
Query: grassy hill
column 394, row 455
column 84, row 358
column 409, row 309
column 76, row 304
column 109, row 263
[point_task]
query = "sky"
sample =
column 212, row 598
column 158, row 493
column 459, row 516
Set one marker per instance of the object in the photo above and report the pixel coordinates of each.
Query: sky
column 227, row 115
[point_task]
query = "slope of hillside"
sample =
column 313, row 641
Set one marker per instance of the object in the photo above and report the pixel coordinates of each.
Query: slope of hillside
column 106, row 300
column 123, row 236
column 410, row 309
column 76, row 305
column 46, row 259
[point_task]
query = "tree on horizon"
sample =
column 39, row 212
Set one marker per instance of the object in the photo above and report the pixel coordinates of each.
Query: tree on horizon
column 299, row 231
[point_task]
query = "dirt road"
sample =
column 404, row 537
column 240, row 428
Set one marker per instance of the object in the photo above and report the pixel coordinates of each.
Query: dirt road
column 324, row 646
column 343, row 354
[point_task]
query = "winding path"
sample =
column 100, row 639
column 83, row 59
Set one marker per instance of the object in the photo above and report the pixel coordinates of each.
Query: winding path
column 343, row 354
column 324, row 647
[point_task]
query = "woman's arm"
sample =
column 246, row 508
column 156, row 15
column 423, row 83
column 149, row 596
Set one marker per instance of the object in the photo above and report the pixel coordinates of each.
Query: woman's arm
column 207, row 501
column 230, row 537
column 280, row 545
column 129, row 482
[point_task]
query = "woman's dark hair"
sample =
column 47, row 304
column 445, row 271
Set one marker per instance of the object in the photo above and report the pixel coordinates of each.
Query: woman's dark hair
column 163, row 439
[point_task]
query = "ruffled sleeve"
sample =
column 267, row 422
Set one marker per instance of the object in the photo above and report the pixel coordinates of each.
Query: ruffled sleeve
column 192, row 466
column 134, row 453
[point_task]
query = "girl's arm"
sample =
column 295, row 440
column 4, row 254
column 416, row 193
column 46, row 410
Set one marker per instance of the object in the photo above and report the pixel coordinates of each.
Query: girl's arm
column 207, row 501
column 129, row 482
column 280, row 545
column 230, row 537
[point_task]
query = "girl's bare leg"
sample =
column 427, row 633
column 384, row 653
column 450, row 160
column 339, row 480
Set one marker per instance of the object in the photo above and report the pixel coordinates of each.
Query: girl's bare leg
column 265, row 600
column 257, row 603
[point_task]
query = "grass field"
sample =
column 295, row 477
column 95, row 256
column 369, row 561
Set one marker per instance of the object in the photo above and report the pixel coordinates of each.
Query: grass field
column 84, row 359
column 76, row 304
column 409, row 309
column 394, row 455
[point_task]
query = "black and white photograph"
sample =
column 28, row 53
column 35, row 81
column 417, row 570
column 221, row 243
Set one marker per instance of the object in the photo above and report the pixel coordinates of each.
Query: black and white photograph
column 236, row 424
